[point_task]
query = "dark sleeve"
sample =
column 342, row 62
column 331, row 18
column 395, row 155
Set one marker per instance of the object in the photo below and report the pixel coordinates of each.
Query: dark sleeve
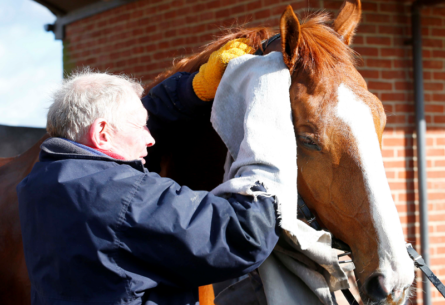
column 180, row 237
column 175, row 100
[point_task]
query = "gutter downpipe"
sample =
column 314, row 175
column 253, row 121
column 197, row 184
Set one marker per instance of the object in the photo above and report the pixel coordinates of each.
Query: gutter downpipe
column 421, row 142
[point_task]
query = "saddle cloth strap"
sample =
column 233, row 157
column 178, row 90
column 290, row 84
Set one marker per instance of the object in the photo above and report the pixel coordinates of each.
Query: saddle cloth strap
column 419, row 262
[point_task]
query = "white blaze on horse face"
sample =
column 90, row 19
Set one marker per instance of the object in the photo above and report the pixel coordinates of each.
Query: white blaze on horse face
column 394, row 262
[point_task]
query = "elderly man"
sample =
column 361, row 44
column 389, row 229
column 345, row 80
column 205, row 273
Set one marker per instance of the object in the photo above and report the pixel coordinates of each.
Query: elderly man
column 98, row 228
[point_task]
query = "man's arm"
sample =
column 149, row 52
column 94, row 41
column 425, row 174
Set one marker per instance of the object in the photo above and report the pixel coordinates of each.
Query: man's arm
column 180, row 237
column 175, row 100
column 184, row 96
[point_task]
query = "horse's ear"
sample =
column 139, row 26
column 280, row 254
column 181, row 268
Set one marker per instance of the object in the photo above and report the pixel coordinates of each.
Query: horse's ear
column 348, row 19
column 290, row 37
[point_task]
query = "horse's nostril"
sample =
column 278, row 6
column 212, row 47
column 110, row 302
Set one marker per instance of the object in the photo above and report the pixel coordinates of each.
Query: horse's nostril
column 375, row 288
column 397, row 293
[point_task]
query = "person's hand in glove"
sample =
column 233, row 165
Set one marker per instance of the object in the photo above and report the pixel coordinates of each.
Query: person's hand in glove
column 207, row 80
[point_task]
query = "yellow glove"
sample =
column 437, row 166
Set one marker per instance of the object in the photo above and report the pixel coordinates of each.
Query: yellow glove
column 207, row 80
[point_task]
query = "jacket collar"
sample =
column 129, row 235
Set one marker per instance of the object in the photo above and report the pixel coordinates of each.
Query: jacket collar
column 60, row 148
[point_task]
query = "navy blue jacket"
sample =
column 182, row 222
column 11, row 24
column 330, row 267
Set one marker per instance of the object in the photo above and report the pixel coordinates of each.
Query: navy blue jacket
column 97, row 230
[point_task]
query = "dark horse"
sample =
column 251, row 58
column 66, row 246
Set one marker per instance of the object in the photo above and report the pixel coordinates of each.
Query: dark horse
column 338, row 125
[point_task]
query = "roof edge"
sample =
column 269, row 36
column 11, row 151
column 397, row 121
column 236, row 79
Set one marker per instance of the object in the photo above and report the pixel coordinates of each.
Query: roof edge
column 63, row 19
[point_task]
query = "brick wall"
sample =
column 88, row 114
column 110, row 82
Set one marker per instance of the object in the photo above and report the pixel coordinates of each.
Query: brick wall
column 142, row 38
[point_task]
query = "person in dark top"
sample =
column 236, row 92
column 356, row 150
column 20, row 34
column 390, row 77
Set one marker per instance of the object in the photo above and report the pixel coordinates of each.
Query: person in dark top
column 99, row 228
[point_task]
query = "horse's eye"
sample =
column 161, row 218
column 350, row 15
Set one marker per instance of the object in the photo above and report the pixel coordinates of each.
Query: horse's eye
column 308, row 142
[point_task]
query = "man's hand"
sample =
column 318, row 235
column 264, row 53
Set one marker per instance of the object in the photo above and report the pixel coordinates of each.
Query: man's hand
column 207, row 80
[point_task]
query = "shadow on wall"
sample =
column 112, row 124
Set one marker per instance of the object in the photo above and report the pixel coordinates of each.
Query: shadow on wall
column 17, row 140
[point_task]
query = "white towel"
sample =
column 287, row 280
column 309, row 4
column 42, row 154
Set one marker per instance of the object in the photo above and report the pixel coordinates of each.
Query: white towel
column 252, row 115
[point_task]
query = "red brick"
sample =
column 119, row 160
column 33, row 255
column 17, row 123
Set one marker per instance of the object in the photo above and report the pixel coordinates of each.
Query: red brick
column 367, row 28
column 406, row 196
column 436, row 196
column 368, row 6
column 394, row 164
column 367, row 51
column 438, row 53
column 401, row 19
column 394, row 74
column 331, row 4
column 262, row 14
column 398, row 52
column 439, row 75
column 388, row 108
column 399, row 185
column 405, row 175
column 433, row 86
column 358, row 40
column 387, row 153
column 431, row 21
column 386, row 41
column 377, row 18
column 439, row 11
column 402, row 63
column 396, row 142
column 369, row 73
column 373, row 85
column 393, row 30
column 380, row 63
column 404, row 86
column 435, row 152
column 222, row 13
column 438, row 32
column 393, row 97
column 432, row 64
column 432, row 43
column 438, row 97
column 434, row 108
column 213, row 4
column 405, row 153
column 393, row 7
column 404, row 108
column 390, row 175
column 206, row 16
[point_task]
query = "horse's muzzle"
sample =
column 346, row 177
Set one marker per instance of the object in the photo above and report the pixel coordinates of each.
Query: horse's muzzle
column 377, row 290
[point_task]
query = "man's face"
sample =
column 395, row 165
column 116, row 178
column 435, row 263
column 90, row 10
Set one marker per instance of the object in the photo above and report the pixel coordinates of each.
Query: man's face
column 133, row 137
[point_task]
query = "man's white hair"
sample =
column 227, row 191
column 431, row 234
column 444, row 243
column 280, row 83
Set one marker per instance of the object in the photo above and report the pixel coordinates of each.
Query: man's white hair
column 86, row 96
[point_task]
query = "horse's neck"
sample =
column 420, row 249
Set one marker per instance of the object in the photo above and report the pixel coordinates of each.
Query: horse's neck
column 3, row 161
column 13, row 170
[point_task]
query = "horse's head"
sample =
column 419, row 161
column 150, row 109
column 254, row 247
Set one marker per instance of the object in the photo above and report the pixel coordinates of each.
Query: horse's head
column 339, row 126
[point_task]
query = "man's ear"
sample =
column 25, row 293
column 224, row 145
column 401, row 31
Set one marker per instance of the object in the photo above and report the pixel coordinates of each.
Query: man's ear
column 99, row 135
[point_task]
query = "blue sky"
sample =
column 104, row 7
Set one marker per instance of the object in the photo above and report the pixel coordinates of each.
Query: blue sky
column 30, row 63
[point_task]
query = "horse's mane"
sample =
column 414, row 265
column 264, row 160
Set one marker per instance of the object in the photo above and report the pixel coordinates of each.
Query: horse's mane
column 192, row 63
column 320, row 48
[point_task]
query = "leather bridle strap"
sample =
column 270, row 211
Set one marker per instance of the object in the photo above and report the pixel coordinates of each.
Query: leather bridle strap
column 336, row 243
column 266, row 43
column 419, row 262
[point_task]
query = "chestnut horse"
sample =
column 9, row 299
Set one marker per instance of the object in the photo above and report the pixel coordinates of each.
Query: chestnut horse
column 338, row 125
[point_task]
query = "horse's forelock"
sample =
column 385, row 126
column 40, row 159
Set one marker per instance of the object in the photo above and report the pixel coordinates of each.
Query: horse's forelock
column 321, row 50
